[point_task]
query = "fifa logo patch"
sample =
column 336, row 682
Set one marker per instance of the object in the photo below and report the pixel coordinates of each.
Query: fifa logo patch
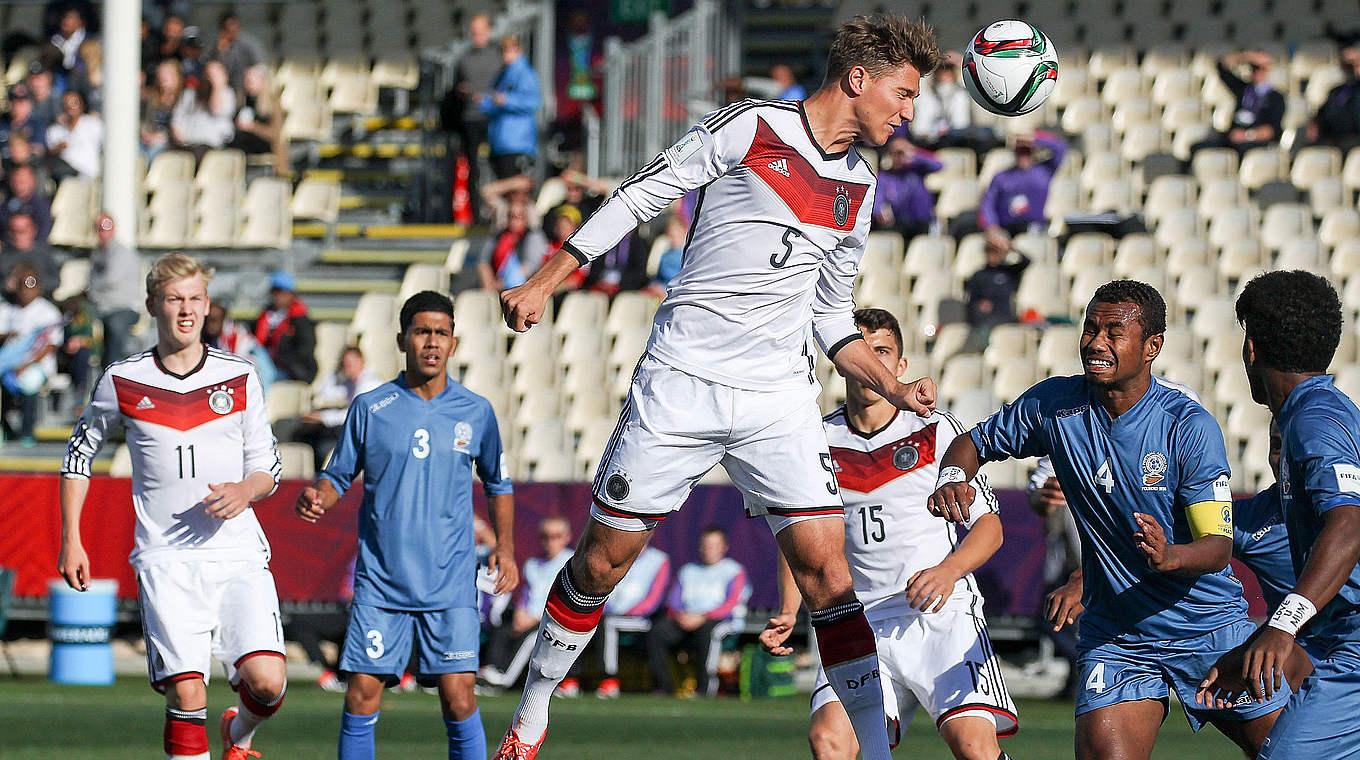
column 462, row 436
column 220, row 399
column 1154, row 468
column 840, row 208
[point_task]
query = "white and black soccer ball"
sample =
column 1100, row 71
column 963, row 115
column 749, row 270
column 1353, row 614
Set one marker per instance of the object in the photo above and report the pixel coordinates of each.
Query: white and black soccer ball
column 1010, row 67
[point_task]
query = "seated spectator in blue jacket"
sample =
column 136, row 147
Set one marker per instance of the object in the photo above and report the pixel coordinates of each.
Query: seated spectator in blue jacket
column 671, row 259
column 902, row 202
column 705, row 593
column 1015, row 199
column 512, row 111
column 22, row 122
column 1259, row 116
column 789, row 89
column 639, row 594
column 24, row 198
column 1337, row 122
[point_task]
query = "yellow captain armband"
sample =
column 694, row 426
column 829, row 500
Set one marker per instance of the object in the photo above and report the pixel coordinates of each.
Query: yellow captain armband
column 1209, row 518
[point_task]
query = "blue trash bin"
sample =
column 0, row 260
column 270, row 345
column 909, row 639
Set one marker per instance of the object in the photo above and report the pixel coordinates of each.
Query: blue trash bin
column 80, row 624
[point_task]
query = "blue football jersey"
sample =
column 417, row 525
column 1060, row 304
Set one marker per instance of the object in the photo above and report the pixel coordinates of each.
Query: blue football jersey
column 1261, row 542
column 1319, row 471
column 1161, row 456
column 416, row 549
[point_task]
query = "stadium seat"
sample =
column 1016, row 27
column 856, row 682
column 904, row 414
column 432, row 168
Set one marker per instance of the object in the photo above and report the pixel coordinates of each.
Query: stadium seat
column 1186, row 137
column 972, row 405
column 307, row 121
column 227, row 165
column 1134, row 112
column 1009, row 343
column 287, row 399
column 1168, row 193
column 949, row 341
column 169, row 166
column 582, row 345
column 624, row 353
column 1081, row 113
column 1194, row 287
column 1261, row 165
column 1232, row 223
column 1171, row 84
column 298, row 461
column 1084, row 285
column 590, row 445
column 1106, row 59
column 1086, row 249
column 1284, row 222
column 1177, row 227
column 963, row 371
column 399, row 72
column 353, row 93
column 1230, row 389
column 1345, row 259
column 1301, row 253
column 375, row 313
column 268, row 222
column 1057, row 353
column 1064, row 199
column 1100, row 168
column 316, row 199
column 1350, row 172
column 958, row 163
column 543, row 455
column 1014, row 378
column 1319, row 84
column 630, row 310
column 1313, row 163
column 1041, row 290
column 330, row 341
column 928, row 253
column 958, row 197
column 74, row 209
column 994, row 162
column 1133, row 253
column 581, row 310
column 970, row 256
column 1098, row 138
column 1338, row 226
column 1241, row 259
column 1182, row 113
column 1122, row 85
column 1115, row 194
column 1214, row 163
column 74, row 279
column 1326, row 194
column 882, row 255
column 420, row 277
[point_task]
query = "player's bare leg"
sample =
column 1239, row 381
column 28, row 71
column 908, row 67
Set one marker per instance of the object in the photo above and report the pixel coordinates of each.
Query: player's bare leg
column 1125, row 731
column 815, row 550
column 1248, row 735
column 971, row 738
column 831, row 736
column 363, row 700
column 575, row 605
column 186, row 715
column 462, row 719
column 260, row 693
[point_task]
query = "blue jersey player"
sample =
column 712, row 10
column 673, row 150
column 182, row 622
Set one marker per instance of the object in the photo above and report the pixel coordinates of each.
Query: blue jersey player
column 1145, row 473
column 418, row 440
column 1293, row 323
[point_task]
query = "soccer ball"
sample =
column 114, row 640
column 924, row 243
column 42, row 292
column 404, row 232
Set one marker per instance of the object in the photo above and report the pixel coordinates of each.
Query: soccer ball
column 1010, row 67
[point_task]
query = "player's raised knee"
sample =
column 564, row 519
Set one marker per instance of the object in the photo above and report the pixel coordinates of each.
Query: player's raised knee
column 833, row 742
column 187, row 694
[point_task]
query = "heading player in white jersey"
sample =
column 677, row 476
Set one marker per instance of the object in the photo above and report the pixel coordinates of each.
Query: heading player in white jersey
column 202, row 451
column 770, row 264
column 911, row 572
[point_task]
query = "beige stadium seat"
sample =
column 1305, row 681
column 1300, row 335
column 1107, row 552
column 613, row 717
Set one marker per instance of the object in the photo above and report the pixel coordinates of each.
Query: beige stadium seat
column 994, row 162
column 625, row 351
column 1350, row 171
column 1194, row 287
column 1014, row 378
column 1177, row 226
column 1232, row 223
column 594, row 439
column 1301, row 253
column 1242, row 259
column 1133, row 112
column 1186, row 137
column 1087, row 249
column 1064, row 199
column 1099, row 169
column 1042, row 289
column 1213, row 317
column 630, row 310
column 1134, row 252
column 1319, row 84
column 1098, row 138
column 1152, row 275
column 1245, row 420
column 929, row 253
column 268, row 222
column 1074, row 85
column 582, row 345
column 1058, row 350
column 1113, row 195
column 1141, row 141
column 970, row 257
column 963, row 371
column 1222, row 353
column 541, row 404
column 316, row 199
column 227, row 165
column 1313, row 163
column 581, row 310
column 1173, row 84
column 958, row 197
column 1218, row 194
column 1181, row 114
column 298, row 461
column 330, row 341
column 1009, row 343
column 477, row 346
column 1038, row 246
column 878, row 289
column 1107, row 59
column 169, row 166
column 949, row 341
column 882, row 254
column 1284, row 222
column 402, row 73
column 307, row 121
column 1338, row 226
column 1186, row 254
column 74, row 210
column 1326, row 194
column 1231, row 389
column 420, row 277
column 1084, row 285
column 544, row 456
column 477, row 309
column 1082, row 113
column 1123, row 84
column 287, row 399
column 1345, row 259
column 1262, row 165
column 354, row 93
column 73, row 280
column 375, row 313
column 1309, row 57
column 167, row 229
column 1348, row 381
column 1214, row 163
column 1168, row 193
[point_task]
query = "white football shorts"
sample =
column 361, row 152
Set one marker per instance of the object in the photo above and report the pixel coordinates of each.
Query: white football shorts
column 675, row 427
column 942, row 661
column 196, row 611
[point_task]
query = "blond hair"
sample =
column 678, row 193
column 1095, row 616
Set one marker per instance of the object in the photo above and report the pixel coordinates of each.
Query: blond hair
column 172, row 267
column 882, row 43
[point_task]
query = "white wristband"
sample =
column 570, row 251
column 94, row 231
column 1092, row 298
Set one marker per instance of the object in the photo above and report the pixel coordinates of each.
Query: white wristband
column 1292, row 614
column 950, row 475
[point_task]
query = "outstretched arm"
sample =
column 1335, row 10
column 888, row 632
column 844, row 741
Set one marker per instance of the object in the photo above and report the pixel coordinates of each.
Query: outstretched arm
column 937, row 583
column 857, row 361
column 779, row 627
column 73, row 563
column 953, row 491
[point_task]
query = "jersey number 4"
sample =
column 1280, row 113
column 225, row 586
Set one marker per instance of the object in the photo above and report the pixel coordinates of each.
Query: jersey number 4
column 1106, row 477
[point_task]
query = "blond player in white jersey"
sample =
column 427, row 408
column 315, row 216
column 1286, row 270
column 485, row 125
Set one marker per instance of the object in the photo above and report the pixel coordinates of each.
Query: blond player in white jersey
column 911, row 572
column 202, row 451
column 769, row 268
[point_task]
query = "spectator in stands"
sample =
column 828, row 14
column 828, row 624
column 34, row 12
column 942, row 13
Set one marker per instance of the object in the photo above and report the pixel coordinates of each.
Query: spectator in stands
column 705, row 593
column 991, row 291
column 473, row 79
column 512, row 108
column 79, row 352
column 554, row 536
column 584, row 192
column 286, row 332
column 30, row 330
column 65, row 44
column 88, row 76
column 507, row 256
column 25, row 198
column 1015, row 199
column 1260, row 107
column 22, row 245
column 1337, row 122
column 638, row 595
column 236, row 49
column 170, row 38
column 902, row 202
column 22, row 123
column 158, row 107
column 259, row 120
column 116, row 289
column 75, row 143
column 203, row 117
column 47, row 105
column 944, row 113
column 21, row 153
column 320, row 427
column 671, row 259
column 789, row 89
column 191, row 56
column 560, row 223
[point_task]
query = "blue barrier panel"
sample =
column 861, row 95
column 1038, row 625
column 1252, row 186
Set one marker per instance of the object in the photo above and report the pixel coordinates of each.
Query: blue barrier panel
column 79, row 624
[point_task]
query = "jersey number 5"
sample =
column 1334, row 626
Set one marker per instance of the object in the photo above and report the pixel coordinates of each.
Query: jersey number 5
column 778, row 260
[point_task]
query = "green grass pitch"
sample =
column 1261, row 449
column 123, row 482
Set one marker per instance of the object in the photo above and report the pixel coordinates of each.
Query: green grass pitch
column 40, row 720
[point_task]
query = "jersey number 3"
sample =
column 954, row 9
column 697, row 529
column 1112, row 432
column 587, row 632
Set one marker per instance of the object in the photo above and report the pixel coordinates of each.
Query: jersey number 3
column 421, row 449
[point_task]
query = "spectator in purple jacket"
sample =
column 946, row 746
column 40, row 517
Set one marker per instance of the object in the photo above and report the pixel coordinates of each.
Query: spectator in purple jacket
column 705, row 593
column 1015, row 199
column 902, row 202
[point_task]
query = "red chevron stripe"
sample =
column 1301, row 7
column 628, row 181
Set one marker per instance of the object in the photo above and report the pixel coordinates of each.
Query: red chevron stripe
column 810, row 196
column 867, row 471
column 180, row 411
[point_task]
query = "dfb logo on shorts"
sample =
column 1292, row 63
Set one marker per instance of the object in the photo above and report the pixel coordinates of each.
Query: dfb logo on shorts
column 864, row 680
column 564, row 646
column 617, row 487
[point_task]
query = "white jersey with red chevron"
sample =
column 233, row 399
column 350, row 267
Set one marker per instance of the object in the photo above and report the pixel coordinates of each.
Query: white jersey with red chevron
column 885, row 478
column 184, row 432
column 773, row 247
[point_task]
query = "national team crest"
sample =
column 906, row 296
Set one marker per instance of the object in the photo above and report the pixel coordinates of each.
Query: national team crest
column 840, row 208
column 1154, row 467
column 220, row 400
column 617, row 487
column 462, row 435
column 906, row 458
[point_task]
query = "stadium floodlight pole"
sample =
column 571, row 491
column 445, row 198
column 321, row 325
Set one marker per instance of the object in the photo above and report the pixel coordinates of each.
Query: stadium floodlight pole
column 122, row 51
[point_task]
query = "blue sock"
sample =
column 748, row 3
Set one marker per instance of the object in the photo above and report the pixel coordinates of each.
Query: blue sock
column 467, row 738
column 357, row 736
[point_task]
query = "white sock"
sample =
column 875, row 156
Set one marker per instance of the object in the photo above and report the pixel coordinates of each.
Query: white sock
column 850, row 660
column 204, row 756
column 554, row 654
column 247, row 720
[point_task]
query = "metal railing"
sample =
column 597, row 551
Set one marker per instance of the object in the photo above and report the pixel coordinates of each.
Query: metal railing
column 657, row 86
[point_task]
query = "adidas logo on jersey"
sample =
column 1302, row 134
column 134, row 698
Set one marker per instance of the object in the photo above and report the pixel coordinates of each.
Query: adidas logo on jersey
column 780, row 165
column 145, row 403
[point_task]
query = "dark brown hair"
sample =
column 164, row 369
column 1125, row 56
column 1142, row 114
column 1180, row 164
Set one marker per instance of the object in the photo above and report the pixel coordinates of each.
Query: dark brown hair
column 882, row 43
